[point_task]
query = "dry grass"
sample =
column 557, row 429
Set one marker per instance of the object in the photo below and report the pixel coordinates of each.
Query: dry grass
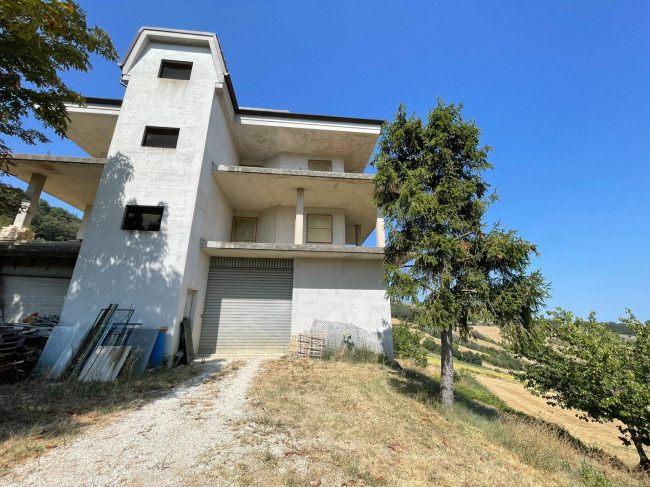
column 603, row 436
column 492, row 332
column 37, row 415
column 333, row 423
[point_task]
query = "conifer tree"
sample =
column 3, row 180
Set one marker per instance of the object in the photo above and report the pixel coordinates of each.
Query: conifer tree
column 440, row 253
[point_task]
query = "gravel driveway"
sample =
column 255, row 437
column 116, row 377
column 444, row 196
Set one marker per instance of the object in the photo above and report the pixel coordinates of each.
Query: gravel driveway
column 165, row 443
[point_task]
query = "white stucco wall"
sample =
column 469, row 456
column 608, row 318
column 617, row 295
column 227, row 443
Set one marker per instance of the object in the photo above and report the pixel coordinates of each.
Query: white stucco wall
column 341, row 290
column 213, row 214
column 147, row 270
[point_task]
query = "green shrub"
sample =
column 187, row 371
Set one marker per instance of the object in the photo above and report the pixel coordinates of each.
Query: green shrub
column 406, row 344
column 431, row 345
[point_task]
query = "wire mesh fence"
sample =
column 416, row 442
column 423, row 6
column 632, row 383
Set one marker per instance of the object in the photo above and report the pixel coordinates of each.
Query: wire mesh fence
column 346, row 335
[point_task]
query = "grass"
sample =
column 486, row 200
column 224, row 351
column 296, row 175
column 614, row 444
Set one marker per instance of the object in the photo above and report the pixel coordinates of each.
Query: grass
column 38, row 415
column 341, row 423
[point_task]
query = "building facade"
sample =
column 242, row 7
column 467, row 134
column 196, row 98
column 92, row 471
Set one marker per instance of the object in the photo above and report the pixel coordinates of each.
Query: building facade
column 251, row 222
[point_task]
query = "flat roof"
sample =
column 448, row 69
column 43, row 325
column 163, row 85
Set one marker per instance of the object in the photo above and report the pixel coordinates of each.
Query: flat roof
column 266, row 112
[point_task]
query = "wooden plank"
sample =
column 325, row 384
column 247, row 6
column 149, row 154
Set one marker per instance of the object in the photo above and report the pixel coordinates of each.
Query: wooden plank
column 105, row 364
column 120, row 362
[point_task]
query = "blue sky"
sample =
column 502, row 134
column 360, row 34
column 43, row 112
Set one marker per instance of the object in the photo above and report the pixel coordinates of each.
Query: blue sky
column 560, row 90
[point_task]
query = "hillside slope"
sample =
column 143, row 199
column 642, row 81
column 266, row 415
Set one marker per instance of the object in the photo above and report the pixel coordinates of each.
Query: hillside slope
column 336, row 423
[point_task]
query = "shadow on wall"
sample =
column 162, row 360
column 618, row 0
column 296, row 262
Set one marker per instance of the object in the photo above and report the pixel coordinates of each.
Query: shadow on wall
column 122, row 266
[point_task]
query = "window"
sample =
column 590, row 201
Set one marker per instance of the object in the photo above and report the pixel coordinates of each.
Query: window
column 147, row 218
column 244, row 229
column 324, row 166
column 175, row 70
column 160, row 137
column 319, row 228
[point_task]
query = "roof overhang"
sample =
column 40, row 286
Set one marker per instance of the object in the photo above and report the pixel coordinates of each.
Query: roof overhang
column 257, row 189
column 290, row 251
column 148, row 35
column 73, row 180
column 67, row 249
column 259, row 135
column 91, row 127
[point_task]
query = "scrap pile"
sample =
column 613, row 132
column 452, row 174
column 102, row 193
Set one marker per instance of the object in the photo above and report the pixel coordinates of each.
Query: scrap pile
column 21, row 344
column 114, row 341
column 103, row 351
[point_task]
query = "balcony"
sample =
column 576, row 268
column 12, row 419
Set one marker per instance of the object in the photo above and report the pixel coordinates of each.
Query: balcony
column 296, row 213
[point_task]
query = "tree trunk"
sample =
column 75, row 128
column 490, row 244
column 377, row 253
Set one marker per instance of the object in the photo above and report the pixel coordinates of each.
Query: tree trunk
column 644, row 462
column 447, row 368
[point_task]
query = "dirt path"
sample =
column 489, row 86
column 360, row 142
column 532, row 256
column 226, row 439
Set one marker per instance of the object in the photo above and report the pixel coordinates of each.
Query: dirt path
column 164, row 443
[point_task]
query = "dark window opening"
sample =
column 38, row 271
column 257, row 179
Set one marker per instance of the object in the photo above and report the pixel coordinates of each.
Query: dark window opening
column 160, row 137
column 175, row 70
column 147, row 218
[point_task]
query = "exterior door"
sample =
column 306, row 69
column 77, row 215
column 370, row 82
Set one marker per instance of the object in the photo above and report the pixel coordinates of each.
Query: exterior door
column 247, row 306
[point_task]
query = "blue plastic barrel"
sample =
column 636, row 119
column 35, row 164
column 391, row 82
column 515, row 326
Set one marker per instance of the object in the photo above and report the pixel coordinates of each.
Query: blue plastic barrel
column 156, row 357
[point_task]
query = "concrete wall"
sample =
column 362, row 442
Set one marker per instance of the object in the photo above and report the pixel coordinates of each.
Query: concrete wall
column 213, row 214
column 146, row 270
column 290, row 160
column 341, row 290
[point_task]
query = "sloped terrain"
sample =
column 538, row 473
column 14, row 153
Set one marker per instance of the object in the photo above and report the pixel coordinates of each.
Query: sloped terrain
column 337, row 423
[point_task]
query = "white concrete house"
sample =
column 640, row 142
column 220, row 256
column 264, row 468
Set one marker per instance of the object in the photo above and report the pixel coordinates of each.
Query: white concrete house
column 249, row 221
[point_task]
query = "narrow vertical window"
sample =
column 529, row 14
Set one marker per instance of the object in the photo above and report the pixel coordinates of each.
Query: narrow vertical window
column 319, row 228
column 175, row 70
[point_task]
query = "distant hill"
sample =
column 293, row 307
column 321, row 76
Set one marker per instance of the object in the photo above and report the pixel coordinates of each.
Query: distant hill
column 619, row 328
column 50, row 223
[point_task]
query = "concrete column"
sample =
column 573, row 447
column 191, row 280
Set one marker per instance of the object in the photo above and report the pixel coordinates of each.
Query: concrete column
column 381, row 234
column 300, row 216
column 84, row 222
column 357, row 236
column 29, row 204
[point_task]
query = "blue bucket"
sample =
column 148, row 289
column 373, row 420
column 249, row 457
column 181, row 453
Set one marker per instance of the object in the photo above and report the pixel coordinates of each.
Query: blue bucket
column 156, row 357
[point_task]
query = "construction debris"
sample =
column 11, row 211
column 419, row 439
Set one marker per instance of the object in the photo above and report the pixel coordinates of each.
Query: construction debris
column 21, row 344
column 103, row 350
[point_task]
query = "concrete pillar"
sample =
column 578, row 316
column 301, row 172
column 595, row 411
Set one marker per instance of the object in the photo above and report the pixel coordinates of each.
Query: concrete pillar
column 357, row 236
column 381, row 234
column 29, row 204
column 84, row 222
column 300, row 216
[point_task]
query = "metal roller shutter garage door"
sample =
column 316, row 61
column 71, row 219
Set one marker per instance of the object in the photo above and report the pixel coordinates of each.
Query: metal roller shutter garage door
column 21, row 296
column 247, row 306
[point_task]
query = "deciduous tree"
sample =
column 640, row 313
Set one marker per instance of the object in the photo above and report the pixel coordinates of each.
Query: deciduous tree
column 40, row 39
column 440, row 253
column 583, row 365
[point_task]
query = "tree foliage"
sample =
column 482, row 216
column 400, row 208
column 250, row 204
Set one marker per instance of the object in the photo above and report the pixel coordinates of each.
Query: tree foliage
column 49, row 223
column 440, row 255
column 582, row 365
column 40, row 39
column 53, row 223
column 10, row 202
column 406, row 344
